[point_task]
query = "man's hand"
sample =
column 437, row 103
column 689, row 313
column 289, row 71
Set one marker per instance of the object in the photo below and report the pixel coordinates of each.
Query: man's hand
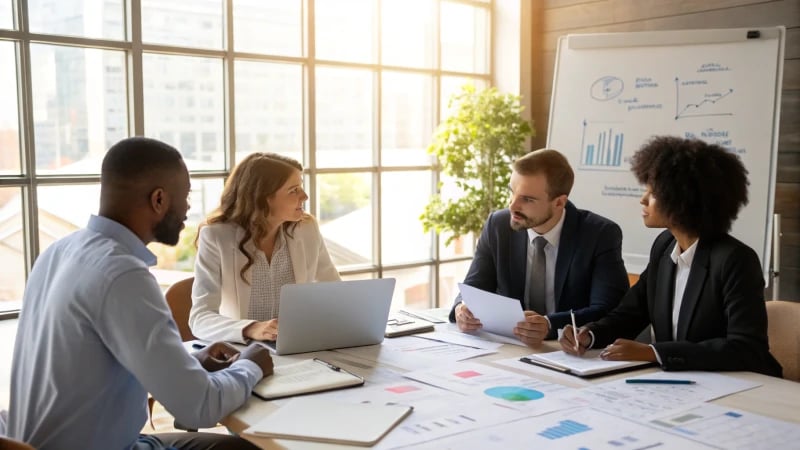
column 262, row 331
column 465, row 320
column 567, row 340
column 628, row 350
column 217, row 356
column 533, row 329
column 259, row 355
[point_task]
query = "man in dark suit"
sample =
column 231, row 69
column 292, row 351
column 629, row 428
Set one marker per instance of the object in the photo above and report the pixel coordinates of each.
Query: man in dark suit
column 546, row 253
column 703, row 290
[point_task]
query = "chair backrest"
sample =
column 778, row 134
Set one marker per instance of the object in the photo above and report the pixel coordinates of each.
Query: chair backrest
column 784, row 336
column 7, row 443
column 179, row 299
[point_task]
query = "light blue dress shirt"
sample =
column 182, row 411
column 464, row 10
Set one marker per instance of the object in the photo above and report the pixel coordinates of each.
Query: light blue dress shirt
column 95, row 335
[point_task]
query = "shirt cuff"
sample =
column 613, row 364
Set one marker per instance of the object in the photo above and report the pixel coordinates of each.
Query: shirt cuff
column 658, row 357
column 591, row 335
column 253, row 369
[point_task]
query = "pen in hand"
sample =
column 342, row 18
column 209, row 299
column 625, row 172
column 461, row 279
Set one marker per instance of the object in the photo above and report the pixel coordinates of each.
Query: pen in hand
column 574, row 330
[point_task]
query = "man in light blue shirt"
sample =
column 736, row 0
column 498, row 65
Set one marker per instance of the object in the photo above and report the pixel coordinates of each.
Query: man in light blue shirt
column 96, row 335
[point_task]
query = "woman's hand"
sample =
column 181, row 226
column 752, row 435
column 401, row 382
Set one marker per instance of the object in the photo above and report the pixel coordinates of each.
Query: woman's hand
column 262, row 331
column 628, row 350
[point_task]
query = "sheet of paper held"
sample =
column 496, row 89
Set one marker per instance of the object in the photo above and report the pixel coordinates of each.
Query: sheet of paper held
column 497, row 313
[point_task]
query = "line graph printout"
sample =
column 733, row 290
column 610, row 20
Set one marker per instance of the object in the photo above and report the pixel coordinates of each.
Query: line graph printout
column 446, row 420
column 643, row 401
column 569, row 429
column 722, row 427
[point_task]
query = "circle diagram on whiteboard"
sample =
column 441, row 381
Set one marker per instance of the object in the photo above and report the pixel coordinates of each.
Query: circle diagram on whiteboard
column 607, row 88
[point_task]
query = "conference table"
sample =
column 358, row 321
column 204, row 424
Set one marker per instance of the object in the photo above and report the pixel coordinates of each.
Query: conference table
column 775, row 398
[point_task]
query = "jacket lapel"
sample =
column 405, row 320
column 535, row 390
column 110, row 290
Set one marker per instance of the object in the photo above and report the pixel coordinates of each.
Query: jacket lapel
column 566, row 249
column 662, row 309
column 296, row 254
column 518, row 252
column 239, row 260
column 694, row 286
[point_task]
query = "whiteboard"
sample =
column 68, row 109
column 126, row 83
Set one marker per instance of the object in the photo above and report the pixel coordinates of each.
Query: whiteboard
column 612, row 92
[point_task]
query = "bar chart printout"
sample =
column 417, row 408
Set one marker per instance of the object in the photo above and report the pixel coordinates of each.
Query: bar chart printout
column 563, row 429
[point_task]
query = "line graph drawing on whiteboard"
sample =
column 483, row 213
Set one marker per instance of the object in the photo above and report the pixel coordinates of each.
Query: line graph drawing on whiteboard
column 695, row 99
column 601, row 146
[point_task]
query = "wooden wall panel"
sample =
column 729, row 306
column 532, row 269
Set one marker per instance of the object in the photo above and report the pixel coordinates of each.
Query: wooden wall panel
column 559, row 17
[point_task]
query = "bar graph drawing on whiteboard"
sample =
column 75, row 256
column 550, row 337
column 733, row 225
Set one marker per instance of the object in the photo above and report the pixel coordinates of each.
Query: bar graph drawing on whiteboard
column 601, row 146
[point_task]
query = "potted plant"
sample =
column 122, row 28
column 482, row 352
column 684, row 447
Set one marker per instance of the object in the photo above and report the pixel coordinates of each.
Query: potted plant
column 475, row 145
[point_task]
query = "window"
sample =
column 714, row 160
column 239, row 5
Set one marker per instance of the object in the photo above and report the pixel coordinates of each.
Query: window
column 272, row 27
column 9, row 113
column 84, row 18
column 6, row 14
column 352, row 89
column 12, row 250
column 78, row 107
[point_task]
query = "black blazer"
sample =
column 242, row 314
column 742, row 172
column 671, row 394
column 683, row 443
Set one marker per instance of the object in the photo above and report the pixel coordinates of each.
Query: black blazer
column 722, row 324
column 590, row 276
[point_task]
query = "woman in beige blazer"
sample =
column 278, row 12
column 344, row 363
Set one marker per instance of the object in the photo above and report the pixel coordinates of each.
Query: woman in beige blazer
column 259, row 229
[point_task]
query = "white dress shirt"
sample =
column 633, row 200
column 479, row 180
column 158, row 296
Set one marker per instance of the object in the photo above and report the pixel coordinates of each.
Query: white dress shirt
column 684, row 266
column 95, row 335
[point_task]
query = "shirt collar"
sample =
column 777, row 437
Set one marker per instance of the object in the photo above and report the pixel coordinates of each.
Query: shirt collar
column 124, row 236
column 554, row 235
column 687, row 256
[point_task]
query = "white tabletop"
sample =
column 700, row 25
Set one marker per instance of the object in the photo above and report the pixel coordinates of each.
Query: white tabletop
column 775, row 397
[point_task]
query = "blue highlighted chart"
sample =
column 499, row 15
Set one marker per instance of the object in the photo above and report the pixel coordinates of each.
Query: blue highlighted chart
column 601, row 146
column 564, row 429
column 513, row 393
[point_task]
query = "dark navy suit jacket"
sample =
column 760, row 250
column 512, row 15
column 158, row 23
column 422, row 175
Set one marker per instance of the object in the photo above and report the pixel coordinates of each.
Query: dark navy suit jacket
column 722, row 324
column 590, row 276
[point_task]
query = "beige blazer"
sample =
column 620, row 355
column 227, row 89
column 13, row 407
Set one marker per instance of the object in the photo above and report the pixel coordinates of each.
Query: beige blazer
column 220, row 299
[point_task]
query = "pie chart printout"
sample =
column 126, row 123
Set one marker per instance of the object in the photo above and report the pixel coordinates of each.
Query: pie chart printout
column 513, row 393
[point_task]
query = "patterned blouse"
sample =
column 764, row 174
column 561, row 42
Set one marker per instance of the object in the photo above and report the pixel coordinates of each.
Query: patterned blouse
column 267, row 280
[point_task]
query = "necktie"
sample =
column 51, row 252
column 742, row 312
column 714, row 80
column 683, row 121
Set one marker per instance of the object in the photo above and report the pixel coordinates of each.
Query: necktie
column 536, row 278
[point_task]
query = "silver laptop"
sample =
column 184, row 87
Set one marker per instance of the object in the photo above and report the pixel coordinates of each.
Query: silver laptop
column 329, row 315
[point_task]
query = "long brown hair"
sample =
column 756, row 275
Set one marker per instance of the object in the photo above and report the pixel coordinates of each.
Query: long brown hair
column 244, row 198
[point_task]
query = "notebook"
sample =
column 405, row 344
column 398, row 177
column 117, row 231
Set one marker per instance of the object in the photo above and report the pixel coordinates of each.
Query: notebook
column 326, row 420
column 305, row 377
column 586, row 366
column 329, row 315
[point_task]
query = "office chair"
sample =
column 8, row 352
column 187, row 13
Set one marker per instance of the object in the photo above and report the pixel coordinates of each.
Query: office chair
column 784, row 336
column 179, row 299
column 6, row 443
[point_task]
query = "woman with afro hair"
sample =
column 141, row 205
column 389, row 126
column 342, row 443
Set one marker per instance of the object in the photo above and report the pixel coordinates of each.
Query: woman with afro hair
column 703, row 290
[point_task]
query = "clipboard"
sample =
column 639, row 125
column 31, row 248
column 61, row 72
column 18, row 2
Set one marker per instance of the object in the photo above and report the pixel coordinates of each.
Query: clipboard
column 588, row 366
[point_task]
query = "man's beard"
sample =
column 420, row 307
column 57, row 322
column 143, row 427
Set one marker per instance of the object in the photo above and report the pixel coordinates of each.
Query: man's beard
column 168, row 231
column 530, row 222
